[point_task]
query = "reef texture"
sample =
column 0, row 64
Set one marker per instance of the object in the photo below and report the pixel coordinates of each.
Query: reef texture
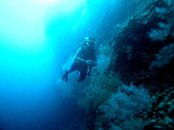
column 144, row 55
column 135, row 90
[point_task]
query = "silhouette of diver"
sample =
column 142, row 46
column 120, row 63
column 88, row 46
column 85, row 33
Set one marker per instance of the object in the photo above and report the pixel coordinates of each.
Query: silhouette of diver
column 84, row 60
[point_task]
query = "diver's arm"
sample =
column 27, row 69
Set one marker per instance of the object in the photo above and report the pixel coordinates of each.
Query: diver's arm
column 80, row 59
column 88, row 62
column 78, row 55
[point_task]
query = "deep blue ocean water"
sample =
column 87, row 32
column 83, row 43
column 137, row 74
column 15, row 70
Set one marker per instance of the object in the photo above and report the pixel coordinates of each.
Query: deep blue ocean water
column 36, row 39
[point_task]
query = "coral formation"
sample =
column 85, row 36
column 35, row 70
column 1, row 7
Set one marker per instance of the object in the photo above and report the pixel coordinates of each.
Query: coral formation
column 124, row 108
column 142, row 54
column 145, row 34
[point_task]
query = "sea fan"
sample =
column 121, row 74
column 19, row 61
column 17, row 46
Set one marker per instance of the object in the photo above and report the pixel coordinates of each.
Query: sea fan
column 125, row 106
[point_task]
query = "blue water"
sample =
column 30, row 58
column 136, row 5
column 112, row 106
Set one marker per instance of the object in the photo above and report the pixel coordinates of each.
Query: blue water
column 36, row 39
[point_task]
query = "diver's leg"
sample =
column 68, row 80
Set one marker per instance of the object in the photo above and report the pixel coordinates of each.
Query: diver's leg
column 65, row 76
column 73, row 67
column 83, row 72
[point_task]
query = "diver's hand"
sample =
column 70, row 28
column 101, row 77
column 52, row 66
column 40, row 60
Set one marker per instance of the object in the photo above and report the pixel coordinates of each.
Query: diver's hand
column 89, row 62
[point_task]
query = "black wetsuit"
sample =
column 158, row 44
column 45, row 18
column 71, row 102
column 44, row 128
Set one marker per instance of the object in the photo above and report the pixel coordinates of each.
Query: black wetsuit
column 87, row 53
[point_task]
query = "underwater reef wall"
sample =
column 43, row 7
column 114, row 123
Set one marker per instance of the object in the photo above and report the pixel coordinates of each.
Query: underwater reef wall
column 143, row 50
column 133, row 88
column 143, row 55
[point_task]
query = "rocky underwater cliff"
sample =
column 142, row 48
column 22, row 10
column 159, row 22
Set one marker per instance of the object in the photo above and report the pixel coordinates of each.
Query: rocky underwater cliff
column 133, row 86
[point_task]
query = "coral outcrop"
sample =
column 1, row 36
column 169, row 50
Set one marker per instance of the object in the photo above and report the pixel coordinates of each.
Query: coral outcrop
column 144, row 55
column 135, row 90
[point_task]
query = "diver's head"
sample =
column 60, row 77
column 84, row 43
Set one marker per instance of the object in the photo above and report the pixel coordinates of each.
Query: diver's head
column 90, row 41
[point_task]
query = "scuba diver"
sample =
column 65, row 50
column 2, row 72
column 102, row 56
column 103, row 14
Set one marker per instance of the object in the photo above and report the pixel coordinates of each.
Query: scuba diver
column 84, row 59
